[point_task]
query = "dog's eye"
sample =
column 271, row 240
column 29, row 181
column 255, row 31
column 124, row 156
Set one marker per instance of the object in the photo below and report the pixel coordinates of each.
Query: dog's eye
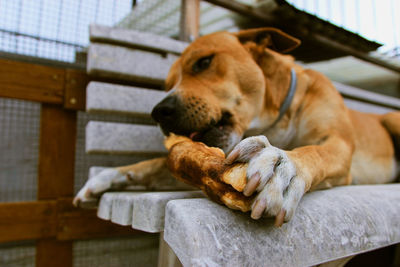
column 202, row 64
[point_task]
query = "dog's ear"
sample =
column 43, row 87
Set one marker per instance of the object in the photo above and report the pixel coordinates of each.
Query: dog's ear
column 272, row 38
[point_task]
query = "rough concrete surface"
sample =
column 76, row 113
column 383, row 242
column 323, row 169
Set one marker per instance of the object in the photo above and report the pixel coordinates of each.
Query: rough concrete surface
column 122, row 138
column 113, row 98
column 142, row 210
column 129, row 37
column 328, row 224
column 118, row 62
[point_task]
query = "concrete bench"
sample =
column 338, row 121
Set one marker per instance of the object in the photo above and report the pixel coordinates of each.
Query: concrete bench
column 323, row 229
column 124, row 56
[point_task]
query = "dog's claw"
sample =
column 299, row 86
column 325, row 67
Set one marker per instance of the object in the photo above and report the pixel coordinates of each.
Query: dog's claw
column 273, row 175
column 258, row 209
column 252, row 184
column 232, row 156
column 280, row 218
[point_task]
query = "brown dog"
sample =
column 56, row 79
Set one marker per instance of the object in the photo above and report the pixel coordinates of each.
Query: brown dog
column 234, row 90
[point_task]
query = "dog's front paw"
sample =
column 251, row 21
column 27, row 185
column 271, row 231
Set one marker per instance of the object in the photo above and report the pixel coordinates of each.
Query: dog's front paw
column 88, row 196
column 273, row 175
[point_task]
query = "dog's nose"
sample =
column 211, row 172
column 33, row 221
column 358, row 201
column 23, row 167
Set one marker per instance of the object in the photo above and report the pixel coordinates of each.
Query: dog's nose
column 165, row 111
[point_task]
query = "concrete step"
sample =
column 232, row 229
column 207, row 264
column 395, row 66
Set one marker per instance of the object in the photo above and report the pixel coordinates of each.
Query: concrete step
column 113, row 98
column 122, row 138
column 117, row 62
column 133, row 38
column 142, row 210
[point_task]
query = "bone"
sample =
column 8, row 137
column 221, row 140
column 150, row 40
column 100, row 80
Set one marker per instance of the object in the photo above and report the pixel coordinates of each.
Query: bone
column 203, row 167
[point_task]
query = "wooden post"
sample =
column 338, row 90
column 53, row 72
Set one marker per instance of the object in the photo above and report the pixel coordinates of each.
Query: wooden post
column 51, row 252
column 190, row 20
column 56, row 153
column 56, row 175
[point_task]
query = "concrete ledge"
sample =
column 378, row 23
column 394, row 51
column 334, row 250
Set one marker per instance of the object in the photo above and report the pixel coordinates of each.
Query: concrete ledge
column 328, row 225
column 363, row 95
column 123, row 63
column 366, row 107
column 112, row 98
column 121, row 138
column 142, row 210
column 144, row 40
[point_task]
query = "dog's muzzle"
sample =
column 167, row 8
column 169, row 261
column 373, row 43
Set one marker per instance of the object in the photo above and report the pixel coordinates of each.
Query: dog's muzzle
column 166, row 110
column 173, row 117
column 168, row 115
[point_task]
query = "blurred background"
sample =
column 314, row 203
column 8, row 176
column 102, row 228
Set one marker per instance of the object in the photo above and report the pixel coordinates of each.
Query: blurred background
column 365, row 54
column 58, row 29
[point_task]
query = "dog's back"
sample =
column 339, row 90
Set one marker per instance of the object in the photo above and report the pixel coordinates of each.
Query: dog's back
column 377, row 147
column 391, row 121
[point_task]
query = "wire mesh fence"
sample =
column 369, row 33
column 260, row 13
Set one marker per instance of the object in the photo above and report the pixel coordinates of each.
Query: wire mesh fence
column 141, row 250
column 17, row 254
column 19, row 146
column 54, row 29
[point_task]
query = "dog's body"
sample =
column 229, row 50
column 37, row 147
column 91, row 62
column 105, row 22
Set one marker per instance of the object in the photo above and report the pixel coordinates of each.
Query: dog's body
column 226, row 87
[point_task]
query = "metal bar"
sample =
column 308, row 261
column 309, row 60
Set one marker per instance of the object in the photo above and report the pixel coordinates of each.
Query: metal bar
column 40, row 25
column 59, row 19
column 19, row 25
column 40, row 38
column 350, row 51
column 242, row 9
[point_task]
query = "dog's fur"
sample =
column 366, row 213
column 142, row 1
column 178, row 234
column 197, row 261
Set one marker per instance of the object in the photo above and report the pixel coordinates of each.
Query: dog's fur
column 226, row 87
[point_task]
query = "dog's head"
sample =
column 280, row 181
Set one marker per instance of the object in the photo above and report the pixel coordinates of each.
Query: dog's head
column 217, row 86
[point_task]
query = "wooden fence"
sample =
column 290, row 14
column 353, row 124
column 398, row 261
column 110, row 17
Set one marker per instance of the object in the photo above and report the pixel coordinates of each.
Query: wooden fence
column 51, row 220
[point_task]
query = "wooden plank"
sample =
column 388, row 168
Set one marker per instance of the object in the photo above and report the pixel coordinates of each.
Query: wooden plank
column 135, row 39
column 76, row 223
column 113, row 98
column 52, row 252
column 51, row 219
column 31, row 82
column 27, row 220
column 122, row 138
column 122, row 63
column 75, row 89
column 43, row 61
column 189, row 20
column 56, row 152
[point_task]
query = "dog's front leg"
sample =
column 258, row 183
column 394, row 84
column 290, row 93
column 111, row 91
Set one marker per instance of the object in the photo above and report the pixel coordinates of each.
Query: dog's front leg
column 152, row 174
column 281, row 178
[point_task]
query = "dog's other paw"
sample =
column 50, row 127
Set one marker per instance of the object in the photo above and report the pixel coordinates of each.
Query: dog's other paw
column 273, row 175
column 89, row 194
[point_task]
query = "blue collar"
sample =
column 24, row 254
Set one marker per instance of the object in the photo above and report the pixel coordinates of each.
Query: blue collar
column 289, row 97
